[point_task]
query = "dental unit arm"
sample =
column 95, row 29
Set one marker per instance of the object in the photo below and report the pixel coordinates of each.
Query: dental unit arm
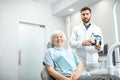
column 114, row 70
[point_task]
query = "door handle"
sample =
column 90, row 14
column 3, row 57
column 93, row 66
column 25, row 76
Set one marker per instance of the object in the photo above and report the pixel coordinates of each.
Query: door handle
column 19, row 60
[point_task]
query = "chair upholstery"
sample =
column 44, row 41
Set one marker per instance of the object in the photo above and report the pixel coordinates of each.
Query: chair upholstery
column 45, row 75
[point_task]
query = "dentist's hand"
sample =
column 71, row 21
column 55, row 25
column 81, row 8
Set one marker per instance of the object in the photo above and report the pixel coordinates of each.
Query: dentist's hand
column 97, row 47
column 86, row 43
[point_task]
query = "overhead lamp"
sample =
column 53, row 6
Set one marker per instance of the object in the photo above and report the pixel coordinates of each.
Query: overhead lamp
column 71, row 9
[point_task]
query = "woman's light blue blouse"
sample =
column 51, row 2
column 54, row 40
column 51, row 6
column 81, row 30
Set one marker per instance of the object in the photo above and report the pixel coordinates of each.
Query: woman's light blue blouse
column 64, row 61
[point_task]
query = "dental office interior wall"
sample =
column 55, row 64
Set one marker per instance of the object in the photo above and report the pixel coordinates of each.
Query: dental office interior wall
column 118, row 18
column 103, row 17
column 11, row 12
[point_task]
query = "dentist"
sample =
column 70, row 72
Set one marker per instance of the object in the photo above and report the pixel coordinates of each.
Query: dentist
column 87, row 39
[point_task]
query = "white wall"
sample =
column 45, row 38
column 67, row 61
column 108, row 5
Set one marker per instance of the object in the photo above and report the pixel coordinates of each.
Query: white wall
column 101, row 16
column 11, row 12
column 118, row 17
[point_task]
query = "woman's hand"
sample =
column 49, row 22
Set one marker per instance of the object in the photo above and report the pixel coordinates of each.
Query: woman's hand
column 64, row 78
column 75, row 75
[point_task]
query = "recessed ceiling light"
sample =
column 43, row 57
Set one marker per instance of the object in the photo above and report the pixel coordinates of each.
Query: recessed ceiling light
column 71, row 9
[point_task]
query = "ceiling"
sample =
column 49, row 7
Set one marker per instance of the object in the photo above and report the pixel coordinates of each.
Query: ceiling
column 60, row 7
column 75, row 4
column 51, row 2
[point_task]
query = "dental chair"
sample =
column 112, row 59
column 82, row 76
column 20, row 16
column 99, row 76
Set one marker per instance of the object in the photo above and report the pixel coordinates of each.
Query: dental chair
column 45, row 75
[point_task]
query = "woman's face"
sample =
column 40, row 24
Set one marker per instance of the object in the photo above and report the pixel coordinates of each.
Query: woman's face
column 58, row 40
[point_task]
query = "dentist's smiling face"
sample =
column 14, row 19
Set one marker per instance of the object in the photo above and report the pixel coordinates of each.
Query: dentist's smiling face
column 86, row 16
column 58, row 40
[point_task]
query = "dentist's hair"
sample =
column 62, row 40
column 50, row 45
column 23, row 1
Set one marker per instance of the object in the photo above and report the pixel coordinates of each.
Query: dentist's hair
column 85, row 8
column 55, row 33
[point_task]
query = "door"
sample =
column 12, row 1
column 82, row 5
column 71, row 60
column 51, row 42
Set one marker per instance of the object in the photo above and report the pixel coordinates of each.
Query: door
column 32, row 49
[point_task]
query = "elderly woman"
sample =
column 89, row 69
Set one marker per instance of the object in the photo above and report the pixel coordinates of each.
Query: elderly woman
column 61, row 63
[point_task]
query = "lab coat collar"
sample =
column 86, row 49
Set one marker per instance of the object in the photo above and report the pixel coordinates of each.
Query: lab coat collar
column 83, row 26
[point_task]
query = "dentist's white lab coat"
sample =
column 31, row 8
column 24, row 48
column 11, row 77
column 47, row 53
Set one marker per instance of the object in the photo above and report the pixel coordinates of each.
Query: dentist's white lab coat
column 88, row 54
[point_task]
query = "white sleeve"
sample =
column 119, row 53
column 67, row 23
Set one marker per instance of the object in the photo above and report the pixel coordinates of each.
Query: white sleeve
column 74, row 43
column 102, row 40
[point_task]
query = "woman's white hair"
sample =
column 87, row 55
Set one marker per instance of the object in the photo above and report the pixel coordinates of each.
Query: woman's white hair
column 57, row 32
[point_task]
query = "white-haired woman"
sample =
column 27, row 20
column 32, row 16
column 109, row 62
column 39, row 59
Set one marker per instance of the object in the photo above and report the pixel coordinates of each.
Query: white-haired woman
column 61, row 63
